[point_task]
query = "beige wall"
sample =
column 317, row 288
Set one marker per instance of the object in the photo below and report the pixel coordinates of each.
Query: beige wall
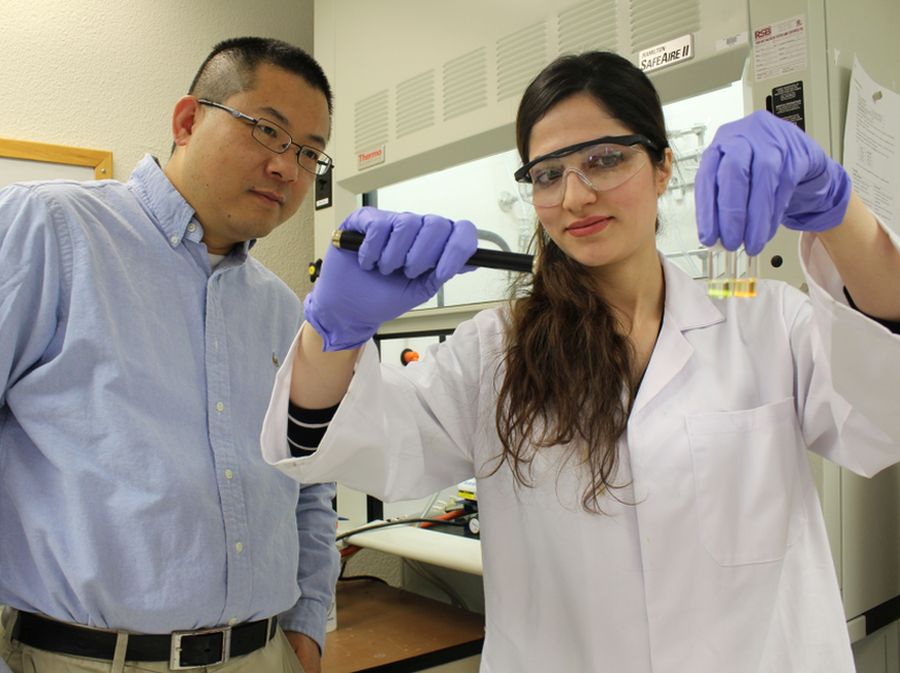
column 105, row 75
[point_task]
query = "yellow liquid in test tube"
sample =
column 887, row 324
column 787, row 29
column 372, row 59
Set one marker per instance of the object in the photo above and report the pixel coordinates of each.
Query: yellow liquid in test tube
column 745, row 287
column 730, row 274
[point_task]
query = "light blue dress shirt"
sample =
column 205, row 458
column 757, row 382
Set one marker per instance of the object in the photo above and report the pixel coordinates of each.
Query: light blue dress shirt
column 134, row 384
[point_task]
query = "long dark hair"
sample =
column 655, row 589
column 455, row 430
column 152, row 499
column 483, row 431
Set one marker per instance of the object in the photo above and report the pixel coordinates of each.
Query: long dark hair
column 569, row 369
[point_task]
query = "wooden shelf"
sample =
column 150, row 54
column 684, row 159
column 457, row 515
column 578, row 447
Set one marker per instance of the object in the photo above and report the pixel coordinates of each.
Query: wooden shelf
column 381, row 628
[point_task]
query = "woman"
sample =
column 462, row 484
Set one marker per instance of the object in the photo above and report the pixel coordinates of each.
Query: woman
column 644, row 493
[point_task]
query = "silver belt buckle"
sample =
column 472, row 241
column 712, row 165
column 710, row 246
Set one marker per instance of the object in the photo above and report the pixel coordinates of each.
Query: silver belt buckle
column 175, row 651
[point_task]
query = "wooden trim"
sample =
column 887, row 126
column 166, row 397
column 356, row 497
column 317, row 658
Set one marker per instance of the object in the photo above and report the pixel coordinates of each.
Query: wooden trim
column 99, row 160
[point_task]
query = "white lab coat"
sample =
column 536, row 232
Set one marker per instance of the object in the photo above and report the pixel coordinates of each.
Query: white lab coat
column 721, row 564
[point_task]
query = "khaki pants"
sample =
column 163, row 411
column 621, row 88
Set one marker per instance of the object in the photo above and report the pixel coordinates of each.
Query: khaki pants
column 276, row 657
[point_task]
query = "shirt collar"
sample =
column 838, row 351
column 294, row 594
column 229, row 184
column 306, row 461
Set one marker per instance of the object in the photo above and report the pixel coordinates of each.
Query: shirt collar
column 171, row 213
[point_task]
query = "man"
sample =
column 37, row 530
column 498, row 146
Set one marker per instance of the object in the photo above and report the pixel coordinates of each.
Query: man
column 140, row 343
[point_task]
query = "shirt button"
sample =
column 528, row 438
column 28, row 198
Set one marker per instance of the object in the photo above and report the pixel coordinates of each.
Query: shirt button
column 192, row 227
column 220, row 407
column 239, row 547
column 173, row 239
column 229, row 474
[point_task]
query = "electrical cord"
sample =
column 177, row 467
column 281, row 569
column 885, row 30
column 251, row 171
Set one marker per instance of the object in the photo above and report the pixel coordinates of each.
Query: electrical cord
column 398, row 522
column 349, row 550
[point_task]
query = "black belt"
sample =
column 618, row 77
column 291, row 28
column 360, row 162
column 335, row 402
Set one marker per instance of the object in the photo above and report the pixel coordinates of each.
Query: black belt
column 182, row 649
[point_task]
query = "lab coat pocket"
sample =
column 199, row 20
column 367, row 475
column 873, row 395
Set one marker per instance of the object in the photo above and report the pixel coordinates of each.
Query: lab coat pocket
column 745, row 466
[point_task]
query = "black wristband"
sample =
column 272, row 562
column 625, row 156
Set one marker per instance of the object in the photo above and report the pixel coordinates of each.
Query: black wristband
column 306, row 427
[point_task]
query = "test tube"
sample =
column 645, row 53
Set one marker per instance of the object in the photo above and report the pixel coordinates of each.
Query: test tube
column 745, row 284
column 730, row 273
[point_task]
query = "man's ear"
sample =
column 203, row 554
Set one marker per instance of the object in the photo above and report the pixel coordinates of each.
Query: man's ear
column 183, row 119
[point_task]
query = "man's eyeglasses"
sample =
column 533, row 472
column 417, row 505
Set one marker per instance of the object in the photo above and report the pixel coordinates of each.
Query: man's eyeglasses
column 602, row 164
column 271, row 136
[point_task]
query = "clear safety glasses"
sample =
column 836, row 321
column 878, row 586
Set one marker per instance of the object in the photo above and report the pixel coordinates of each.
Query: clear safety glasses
column 601, row 164
column 271, row 136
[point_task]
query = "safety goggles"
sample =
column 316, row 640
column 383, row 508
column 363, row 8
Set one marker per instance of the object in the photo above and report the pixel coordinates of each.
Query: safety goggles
column 602, row 164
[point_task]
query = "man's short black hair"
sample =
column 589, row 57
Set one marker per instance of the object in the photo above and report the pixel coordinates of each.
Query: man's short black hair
column 232, row 65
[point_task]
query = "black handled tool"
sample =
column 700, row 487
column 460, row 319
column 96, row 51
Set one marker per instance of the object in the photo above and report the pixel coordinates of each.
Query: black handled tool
column 491, row 259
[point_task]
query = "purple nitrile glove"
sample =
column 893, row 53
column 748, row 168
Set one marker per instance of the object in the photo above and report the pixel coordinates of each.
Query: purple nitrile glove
column 402, row 262
column 761, row 171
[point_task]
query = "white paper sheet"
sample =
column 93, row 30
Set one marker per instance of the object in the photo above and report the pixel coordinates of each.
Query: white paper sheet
column 872, row 145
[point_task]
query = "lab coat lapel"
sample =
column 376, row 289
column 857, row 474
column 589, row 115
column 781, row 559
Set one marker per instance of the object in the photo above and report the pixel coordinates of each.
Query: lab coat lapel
column 687, row 307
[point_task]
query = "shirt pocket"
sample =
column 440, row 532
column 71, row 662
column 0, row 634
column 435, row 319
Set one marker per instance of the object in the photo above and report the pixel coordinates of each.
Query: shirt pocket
column 746, row 477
